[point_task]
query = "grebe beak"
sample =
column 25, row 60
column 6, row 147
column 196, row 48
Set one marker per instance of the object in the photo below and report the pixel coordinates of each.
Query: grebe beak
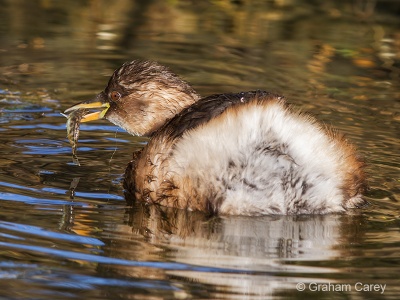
column 100, row 102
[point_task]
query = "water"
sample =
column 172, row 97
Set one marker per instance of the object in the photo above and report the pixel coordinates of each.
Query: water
column 338, row 60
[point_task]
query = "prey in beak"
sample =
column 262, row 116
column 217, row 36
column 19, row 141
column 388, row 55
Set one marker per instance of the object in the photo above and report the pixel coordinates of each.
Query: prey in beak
column 96, row 103
column 82, row 113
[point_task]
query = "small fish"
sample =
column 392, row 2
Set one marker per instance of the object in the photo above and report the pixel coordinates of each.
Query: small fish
column 73, row 125
column 73, row 186
column 80, row 113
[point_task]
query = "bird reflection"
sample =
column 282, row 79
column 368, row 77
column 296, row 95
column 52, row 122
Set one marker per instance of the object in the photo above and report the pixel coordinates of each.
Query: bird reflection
column 261, row 255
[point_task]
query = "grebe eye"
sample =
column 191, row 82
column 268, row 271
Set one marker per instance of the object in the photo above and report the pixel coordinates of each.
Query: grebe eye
column 115, row 96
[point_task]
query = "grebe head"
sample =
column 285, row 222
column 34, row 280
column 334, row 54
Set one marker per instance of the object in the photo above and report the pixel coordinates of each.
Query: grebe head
column 140, row 97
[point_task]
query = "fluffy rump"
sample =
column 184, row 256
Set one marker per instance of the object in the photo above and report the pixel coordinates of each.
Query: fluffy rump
column 261, row 157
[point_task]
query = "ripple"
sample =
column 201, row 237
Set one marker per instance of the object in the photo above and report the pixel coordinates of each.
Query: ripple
column 60, row 278
column 39, row 126
column 35, row 230
column 174, row 266
column 27, row 109
column 38, row 201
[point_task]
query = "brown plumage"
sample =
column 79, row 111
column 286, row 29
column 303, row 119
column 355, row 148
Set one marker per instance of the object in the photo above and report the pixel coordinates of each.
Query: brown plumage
column 245, row 153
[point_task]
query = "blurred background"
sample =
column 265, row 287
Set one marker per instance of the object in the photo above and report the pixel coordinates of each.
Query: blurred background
column 254, row 44
column 66, row 230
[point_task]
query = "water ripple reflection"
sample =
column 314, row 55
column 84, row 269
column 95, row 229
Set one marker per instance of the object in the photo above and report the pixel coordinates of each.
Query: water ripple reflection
column 43, row 233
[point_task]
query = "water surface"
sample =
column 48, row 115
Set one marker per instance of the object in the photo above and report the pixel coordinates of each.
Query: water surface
column 340, row 61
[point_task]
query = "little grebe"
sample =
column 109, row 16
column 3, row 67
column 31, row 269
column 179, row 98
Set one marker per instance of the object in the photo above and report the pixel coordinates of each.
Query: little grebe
column 243, row 153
